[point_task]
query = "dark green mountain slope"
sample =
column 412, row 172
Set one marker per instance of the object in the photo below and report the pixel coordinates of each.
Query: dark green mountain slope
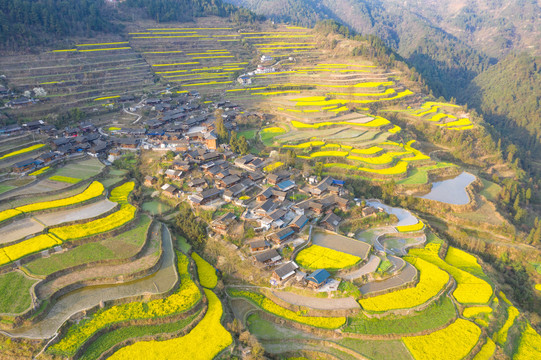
column 509, row 95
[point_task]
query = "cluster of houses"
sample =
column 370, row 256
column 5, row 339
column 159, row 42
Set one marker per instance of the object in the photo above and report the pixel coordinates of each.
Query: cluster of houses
column 266, row 199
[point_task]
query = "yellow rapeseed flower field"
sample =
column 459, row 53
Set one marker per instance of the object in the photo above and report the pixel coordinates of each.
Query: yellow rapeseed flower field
column 431, row 280
column 28, row 247
column 204, row 342
column 486, row 351
column 319, row 257
column 8, row 214
column 95, row 189
column 463, row 260
column 22, row 151
column 306, row 145
column 328, row 153
column 529, row 346
column 451, row 343
column 66, row 179
column 501, row 336
column 470, row 289
column 184, row 298
column 40, row 171
column 98, row 226
column 410, row 228
column 473, row 311
column 273, row 166
column 206, row 272
column 273, row 308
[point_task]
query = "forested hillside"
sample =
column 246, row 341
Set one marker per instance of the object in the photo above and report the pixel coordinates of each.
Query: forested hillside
column 508, row 93
column 187, row 10
column 30, row 22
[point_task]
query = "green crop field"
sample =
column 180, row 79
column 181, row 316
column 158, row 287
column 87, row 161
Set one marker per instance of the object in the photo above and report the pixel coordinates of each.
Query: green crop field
column 15, row 290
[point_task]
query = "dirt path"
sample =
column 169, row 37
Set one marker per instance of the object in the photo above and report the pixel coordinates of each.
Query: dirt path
column 317, row 303
column 147, row 260
column 368, row 268
column 405, row 276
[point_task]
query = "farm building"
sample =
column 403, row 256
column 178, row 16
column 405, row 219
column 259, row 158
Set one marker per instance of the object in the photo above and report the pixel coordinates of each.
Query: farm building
column 299, row 222
column 282, row 235
column 170, row 191
column 222, row 223
column 268, row 257
column 286, row 185
column 284, row 272
column 318, row 278
column 150, row 180
column 259, row 245
column 330, row 221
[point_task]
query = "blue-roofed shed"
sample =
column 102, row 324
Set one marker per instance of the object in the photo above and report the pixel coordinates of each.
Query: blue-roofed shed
column 286, row 185
column 318, row 278
column 338, row 182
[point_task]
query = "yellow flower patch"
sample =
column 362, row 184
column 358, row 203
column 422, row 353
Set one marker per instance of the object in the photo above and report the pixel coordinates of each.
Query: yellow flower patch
column 470, row 289
column 328, row 153
column 22, row 151
column 66, row 179
column 8, row 214
column 95, row 189
column 273, row 166
column 275, row 309
column 27, row 247
column 410, row 228
column 486, row 351
column 184, row 298
column 501, row 336
column 319, row 257
column 473, row 311
column 306, row 145
column 529, row 346
column 451, row 343
column 204, row 342
column 205, row 271
column 431, row 280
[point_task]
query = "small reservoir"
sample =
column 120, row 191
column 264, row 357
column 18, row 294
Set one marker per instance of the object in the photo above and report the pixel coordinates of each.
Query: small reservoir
column 452, row 191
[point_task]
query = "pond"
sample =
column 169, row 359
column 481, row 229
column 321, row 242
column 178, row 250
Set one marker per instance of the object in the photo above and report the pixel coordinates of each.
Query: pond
column 404, row 216
column 452, row 191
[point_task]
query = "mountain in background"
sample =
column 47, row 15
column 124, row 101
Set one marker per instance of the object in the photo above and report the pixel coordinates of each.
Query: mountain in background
column 464, row 49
